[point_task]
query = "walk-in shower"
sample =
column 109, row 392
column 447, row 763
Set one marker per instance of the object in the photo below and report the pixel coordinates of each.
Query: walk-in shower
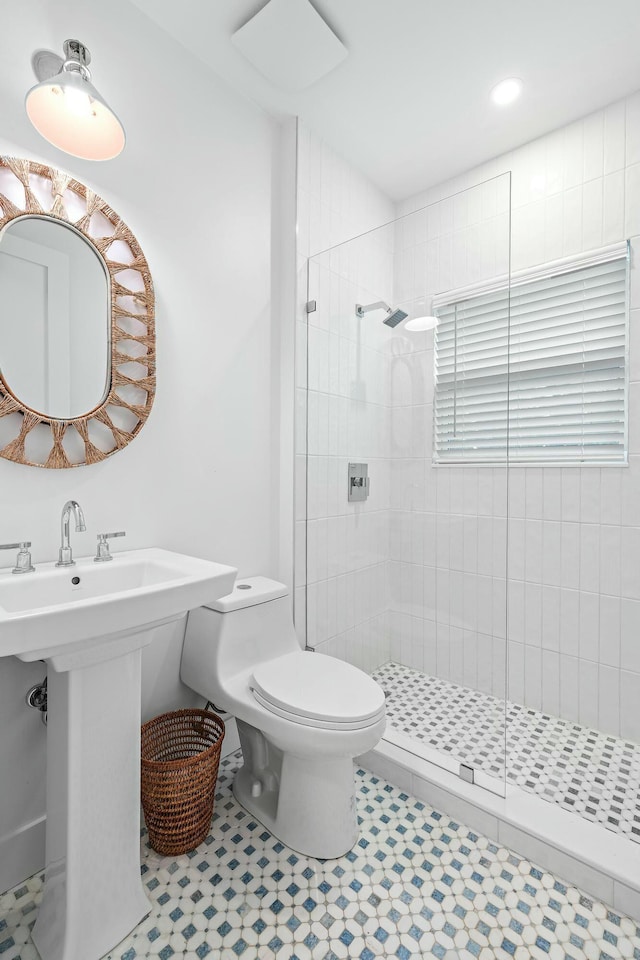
column 476, row 582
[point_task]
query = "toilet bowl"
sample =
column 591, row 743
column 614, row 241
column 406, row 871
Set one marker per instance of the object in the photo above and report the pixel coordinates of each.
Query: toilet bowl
column 302, row 717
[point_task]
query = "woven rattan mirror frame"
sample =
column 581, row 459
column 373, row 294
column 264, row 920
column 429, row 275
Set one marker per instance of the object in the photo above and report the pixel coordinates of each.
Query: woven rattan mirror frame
column 132, row 326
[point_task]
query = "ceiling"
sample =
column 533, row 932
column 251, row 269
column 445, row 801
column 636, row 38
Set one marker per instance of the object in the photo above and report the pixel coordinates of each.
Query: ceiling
column 410, row 105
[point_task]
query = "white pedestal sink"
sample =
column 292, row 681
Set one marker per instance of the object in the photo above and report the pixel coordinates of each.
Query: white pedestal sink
column 91, row 634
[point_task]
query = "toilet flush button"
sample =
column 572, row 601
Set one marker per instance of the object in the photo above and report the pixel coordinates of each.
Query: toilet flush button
column 243, row 586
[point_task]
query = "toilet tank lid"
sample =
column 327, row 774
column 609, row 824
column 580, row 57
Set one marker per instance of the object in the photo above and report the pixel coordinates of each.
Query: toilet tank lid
column 247, row 592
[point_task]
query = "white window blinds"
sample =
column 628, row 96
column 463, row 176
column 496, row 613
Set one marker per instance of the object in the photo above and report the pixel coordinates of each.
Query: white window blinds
column 536, row 372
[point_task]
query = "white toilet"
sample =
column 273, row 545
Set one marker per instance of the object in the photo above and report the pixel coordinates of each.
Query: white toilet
column 302, row 717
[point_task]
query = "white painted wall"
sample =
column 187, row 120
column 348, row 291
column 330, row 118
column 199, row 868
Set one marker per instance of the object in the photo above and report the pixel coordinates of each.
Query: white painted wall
column 195, row 185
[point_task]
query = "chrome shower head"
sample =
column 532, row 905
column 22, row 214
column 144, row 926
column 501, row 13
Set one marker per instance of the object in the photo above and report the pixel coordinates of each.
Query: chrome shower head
column 393, row 317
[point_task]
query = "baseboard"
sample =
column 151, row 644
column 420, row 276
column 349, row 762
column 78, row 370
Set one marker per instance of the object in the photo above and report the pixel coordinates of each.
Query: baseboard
column 604, row 864
column 22, row 853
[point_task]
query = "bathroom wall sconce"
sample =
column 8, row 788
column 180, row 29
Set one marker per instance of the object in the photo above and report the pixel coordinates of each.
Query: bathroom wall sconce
column 67, row 110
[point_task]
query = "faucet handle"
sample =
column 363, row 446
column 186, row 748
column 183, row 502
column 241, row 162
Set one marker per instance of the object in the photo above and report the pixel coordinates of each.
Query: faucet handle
column 23, row 560
column 102, row 552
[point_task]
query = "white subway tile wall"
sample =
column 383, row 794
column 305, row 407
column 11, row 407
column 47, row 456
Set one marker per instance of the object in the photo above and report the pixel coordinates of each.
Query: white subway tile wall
column 573, row 533
column 342, row 548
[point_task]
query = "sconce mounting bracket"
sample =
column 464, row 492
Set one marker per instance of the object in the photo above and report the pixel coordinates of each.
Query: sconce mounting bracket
column 47, row 64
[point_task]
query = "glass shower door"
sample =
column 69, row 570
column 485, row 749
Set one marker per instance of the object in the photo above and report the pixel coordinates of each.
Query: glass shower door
column 407, row 579
column 347, row 463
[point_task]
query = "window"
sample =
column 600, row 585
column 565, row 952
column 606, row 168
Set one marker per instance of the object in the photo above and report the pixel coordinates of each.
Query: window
column 535, row 372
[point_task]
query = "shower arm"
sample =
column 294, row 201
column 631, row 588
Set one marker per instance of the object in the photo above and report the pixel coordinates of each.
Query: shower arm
column 361, row 310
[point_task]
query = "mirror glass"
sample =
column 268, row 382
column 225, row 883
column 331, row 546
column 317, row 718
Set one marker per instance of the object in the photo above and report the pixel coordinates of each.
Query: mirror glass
column 55, row 353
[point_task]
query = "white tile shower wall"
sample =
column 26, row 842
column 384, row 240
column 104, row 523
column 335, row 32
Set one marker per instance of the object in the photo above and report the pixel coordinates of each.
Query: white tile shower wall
column 341, row 547
column 347, row 543
column 447, row 527
column 574, row 533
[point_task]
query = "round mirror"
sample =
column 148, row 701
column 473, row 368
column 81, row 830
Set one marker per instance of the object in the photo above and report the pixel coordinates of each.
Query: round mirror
column 55, row 354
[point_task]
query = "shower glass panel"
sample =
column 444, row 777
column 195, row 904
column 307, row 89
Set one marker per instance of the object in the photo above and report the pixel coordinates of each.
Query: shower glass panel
column 407, row 479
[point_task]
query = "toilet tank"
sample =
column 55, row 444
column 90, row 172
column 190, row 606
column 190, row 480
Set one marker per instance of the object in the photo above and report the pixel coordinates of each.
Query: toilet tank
column 251, row 624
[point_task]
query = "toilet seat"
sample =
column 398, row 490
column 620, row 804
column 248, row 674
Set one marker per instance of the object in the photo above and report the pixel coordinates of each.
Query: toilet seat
column 318, row 691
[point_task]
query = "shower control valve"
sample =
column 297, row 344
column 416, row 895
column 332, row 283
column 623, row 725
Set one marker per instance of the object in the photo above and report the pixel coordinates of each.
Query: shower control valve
column 358, row 481
column 102, row 551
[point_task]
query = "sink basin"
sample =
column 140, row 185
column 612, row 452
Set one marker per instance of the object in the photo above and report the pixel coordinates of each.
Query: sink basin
column 91, row 633
column 46, row 616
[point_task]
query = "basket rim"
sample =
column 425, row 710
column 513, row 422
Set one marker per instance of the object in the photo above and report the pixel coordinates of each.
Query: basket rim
column 186, row 761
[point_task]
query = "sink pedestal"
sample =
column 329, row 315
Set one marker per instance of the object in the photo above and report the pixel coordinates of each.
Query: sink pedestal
column 90, row 623
column 93, row 894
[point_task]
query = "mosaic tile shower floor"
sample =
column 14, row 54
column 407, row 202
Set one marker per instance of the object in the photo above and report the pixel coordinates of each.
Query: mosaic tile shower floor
column 416, row 885
column 583, row 770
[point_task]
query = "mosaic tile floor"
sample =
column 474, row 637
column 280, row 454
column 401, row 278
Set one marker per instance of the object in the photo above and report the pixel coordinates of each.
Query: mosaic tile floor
column 416, row 885
column 583, row 770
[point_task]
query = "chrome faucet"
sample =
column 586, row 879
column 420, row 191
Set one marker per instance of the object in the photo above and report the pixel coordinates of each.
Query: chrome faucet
column 65, row 556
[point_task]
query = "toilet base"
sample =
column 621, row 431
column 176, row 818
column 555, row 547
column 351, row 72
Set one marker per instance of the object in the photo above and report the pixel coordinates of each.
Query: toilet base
column 306, row 802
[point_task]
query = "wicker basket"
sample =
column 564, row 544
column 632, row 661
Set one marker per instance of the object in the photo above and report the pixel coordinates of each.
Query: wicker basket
column 180, row 755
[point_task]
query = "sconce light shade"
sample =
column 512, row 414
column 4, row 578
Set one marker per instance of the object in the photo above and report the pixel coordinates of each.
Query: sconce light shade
column 67, row 110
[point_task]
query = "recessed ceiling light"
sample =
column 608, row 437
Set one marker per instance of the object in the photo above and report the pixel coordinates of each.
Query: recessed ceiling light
column 506, row 91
